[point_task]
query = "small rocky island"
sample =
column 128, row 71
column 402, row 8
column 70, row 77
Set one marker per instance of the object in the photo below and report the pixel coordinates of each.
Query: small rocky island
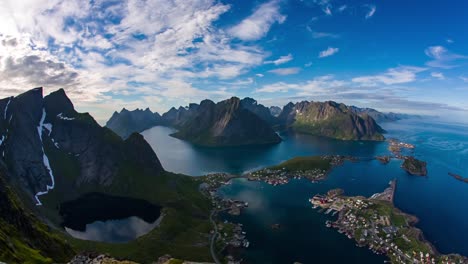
column 414, row 166
column 458, row 177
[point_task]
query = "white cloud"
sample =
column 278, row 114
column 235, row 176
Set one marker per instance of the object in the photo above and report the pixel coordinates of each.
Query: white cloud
column 402, row 74
column 259, row 75
column 318, row 35
column 438, row 75
column 308, row 64
column 463, row 78
column 328, row 52
column 286, row 71
column 450, row 41
column 95, row 49
column 281, row 60
column 442, row 58
column 258, row 24
column 342, row 8
column 371, row 12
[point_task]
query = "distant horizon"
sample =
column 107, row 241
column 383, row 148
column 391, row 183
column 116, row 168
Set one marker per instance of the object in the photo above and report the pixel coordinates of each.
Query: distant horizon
column 392, row 56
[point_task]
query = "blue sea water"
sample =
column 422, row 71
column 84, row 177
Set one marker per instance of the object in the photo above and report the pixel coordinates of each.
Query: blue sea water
column 438, row 200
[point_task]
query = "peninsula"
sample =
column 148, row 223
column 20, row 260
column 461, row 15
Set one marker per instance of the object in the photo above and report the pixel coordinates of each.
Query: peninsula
column 377, row 224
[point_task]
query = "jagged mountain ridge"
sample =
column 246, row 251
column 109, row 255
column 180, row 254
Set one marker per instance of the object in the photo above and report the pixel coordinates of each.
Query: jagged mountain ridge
column 226, row 123
column 126, row 122
column 381, row 117
column 40, row 133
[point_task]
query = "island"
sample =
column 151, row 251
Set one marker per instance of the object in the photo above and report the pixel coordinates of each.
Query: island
column 313, row 168
column 414, row 166
column 383, row 159
column 377, row 224
column 458, row 177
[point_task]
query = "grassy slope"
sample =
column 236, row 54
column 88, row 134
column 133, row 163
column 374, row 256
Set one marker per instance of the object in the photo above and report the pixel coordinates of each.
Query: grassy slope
column 23, row 238
column 305, row 163
column 338, row 127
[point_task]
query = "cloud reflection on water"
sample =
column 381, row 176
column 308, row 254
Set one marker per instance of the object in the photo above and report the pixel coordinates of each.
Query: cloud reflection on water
column 115, row 231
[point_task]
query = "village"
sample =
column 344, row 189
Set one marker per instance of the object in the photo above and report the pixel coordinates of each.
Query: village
column 374, row 222
column 226, row 234
column 396, row 147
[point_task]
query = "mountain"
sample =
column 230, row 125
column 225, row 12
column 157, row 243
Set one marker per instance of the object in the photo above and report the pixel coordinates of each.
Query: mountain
column 275, row 111
column 127, row 122
column 260, row 110
column 45, row 136
column 330, row 119
column 23, row 238
column 177, row 117
column 53, row 154
column 226, row 123
column 381, row 117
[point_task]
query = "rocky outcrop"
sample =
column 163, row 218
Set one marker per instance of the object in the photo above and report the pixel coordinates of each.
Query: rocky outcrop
column 330, row 119
column 127, row 122
column 226, row 123
column 44, row 138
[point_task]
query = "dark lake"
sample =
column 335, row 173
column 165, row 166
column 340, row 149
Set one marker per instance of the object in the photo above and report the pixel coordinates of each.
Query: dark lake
column 438, row 200
column 101, row 217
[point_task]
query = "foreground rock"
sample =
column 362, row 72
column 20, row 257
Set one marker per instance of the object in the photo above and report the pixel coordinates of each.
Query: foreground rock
column 330, row 119
column 226, row 123
column 414, row 166
column 127, row 122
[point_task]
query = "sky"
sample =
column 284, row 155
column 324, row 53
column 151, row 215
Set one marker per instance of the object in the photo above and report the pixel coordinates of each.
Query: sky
column 392, row 55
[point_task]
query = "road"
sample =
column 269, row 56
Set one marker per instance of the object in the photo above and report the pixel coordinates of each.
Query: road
column 213, row 239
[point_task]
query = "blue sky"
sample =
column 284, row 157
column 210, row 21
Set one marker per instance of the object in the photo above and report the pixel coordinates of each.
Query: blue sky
column 405, row 56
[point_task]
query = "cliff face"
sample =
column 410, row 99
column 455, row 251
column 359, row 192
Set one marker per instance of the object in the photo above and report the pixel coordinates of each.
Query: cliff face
column 127, row 122
column 226, row 123
column 258, row 109
column 330, row 119
column 44, row 138
column 23, row 238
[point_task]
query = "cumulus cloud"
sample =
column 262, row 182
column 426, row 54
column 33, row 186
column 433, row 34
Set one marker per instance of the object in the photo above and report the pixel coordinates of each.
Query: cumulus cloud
column 286, row 71
column 38, row 71
column 280, row 60
column 97, row 49
column 258, row 24
column 402, row 74
column 328, row 52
